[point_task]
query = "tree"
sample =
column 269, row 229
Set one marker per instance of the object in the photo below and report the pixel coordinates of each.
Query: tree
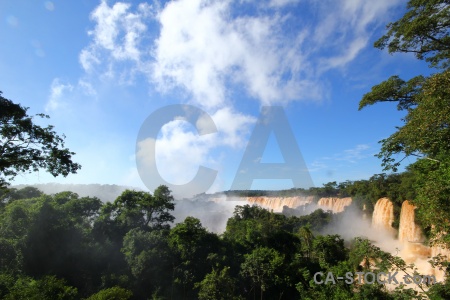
column 27, row 147
column 217, row 286
column 424, row 30
column 307, row 238
column 194, row 248
column 123, row 226
column 114, row 293
column 134, row 209
column 149, row 258
column 8, row 195
column 263, row 268
column 329, row 250
column 48, row 287
column 426, row 132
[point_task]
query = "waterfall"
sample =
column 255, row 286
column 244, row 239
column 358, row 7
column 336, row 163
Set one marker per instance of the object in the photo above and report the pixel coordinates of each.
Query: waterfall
column 276, row 203
column 383, row 214
column 408, row 230
column 336, row 205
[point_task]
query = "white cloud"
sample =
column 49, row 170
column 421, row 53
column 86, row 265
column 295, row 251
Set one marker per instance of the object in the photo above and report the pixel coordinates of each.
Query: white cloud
column 281, row 3
column 118, row 30
column 346, row 27
column 206, row 48
column 88, row 59
column 178, row 154
column 180, row 150
column 218, row 56
column 116, row 37
column 232, row 127
column 57, row 90
column 87, row 88
column 351, row 156
column 202, row 49
column 357, row 153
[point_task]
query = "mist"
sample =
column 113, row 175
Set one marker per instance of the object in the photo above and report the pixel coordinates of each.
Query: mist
column 214, row 210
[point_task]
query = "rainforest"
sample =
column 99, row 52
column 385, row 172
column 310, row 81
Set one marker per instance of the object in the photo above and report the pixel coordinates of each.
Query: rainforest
column 110, row 241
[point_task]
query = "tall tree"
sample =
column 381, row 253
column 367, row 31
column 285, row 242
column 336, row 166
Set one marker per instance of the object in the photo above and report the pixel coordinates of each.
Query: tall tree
column 424, row 30
column 27, row 147
column 217, row 286
column 263, row 267
column 139, row 209
column 194, row 248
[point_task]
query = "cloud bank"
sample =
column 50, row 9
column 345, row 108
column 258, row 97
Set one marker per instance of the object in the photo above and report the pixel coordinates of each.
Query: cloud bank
column 220, row 55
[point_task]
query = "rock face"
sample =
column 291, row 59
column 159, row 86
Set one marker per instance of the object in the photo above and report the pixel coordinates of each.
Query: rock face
column 383, row 214
column 336, row 205
column 276, row 203
column 408, row 230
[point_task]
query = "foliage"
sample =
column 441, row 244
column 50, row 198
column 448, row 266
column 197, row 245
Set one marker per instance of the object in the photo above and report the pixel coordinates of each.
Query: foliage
column 426, row 132
column 64, row 246
column 49, row 287
column 194, row 250
column 27, row 147
column 263, row 267
column 114, row 293
column 217, row 286
column 424, row 31
column 138, row 209
column 69, row 247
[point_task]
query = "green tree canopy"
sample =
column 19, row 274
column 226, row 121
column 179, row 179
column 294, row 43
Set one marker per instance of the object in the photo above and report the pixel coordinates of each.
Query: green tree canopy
column 425, row 31
column 27, row 147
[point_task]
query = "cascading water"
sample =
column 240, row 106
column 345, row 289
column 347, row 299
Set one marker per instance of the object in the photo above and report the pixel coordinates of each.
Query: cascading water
column 276, row 203
column 383, row 215
column 336, row 205
column 408, row 230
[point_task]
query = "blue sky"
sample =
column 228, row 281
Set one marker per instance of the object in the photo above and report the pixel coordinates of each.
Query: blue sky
column 100, row 68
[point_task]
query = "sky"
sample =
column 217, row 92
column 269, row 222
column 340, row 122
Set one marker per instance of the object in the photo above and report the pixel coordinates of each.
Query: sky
column 100, row 69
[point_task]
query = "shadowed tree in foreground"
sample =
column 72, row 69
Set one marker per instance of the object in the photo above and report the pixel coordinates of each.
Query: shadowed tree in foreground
column 27, row 147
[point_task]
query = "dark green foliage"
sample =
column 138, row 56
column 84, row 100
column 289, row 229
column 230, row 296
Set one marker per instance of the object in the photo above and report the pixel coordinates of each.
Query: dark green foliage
column 317, row 220
column 217, row 286
column 66, row 247
column 423, row 30
column 9, row 195
column 253, row 225
column 27, row 147
column 114, row 293
column 395, row 90
column 194, row 251
column 263, row 266
column 60, row 235
column 137, row 209
column 440, row 290
column 329, row 250
column 48, row 287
